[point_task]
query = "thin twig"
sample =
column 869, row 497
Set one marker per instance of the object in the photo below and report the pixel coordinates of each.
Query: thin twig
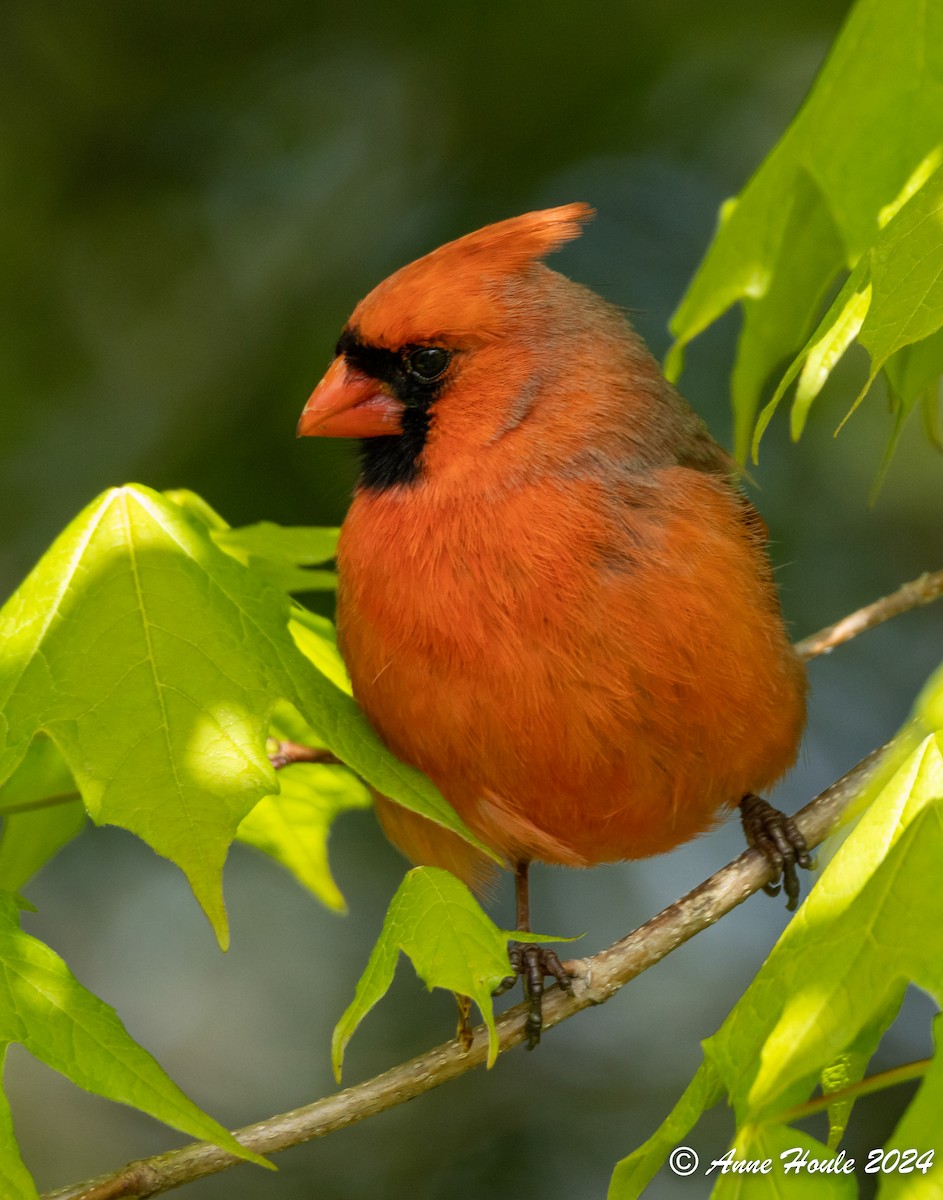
column 596, row 979
column 287, row 754
column 911, row 595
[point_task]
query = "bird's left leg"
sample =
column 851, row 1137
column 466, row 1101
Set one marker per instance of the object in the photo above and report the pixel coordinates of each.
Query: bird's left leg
column 778, row 839
column 531, row 962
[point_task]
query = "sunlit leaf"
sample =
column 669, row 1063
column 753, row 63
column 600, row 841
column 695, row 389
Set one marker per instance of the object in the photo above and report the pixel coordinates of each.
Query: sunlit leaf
column 278, row 554
column 892, row 301
column 436, row 921
column 283, row 555
column 44, row 1008
column 298, row 545
column 42, row 812
column 919, row 1128
column 845, row 182
column 820, row 361
column 848, row 1069
column 315, row 637
column 293, row 826
column 153, row 660
column 819, row 988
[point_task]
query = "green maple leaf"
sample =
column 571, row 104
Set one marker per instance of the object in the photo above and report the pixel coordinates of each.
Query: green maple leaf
column 892, row 302
column 153, row 660
column 292, row 827
column 853, row 185
column 283, row 555
column 42, row 811
column 44, row 1008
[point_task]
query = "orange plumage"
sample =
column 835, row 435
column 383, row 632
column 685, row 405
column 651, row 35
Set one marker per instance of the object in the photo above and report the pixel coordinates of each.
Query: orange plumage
column 553, row 598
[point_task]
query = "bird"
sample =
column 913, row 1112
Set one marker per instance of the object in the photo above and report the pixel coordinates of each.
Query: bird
column 554, row 597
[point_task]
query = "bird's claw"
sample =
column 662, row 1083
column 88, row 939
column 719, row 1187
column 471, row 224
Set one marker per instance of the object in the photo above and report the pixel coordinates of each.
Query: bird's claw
column 533, row 964
column 778, row 839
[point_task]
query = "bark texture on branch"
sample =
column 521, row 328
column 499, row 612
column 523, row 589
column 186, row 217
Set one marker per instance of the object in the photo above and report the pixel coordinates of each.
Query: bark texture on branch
column 915, row 594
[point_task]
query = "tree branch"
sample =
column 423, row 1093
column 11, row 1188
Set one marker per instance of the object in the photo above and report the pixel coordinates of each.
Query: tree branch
column 596, row 980
column 911, row 595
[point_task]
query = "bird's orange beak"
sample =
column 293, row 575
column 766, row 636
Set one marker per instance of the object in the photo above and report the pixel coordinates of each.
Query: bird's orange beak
column 349, row 404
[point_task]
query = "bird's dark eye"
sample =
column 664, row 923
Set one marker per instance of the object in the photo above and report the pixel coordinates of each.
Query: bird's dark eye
column 428, row 362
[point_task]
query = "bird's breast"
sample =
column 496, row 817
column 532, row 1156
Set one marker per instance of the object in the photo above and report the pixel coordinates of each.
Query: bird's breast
column 542, row 653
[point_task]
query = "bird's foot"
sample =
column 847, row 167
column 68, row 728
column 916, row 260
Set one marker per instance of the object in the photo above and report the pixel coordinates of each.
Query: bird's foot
column 533, row 964
column 286, row 754
column 778, row 839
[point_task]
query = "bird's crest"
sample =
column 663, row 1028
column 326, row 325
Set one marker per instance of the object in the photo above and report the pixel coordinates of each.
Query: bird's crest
column 457, row 287
column 513, row 243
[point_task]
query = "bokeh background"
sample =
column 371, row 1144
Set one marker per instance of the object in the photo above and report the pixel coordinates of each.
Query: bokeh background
column 194, row 197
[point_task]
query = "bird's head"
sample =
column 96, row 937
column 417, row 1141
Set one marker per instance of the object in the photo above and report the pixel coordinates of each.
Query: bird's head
column 452, row 350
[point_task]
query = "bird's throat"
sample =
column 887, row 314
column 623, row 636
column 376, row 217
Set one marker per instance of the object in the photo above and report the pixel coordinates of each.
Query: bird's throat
column 394, row 461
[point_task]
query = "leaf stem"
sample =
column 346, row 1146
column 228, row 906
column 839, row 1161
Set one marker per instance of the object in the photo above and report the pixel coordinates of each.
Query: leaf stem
column 864, row 1087
column 46, row 802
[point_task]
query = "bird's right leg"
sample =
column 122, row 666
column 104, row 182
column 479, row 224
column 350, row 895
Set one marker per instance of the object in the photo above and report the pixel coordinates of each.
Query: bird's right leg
column 531, row 962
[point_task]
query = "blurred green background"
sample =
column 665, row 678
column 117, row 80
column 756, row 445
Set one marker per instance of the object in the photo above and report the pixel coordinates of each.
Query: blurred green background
column 194, row 197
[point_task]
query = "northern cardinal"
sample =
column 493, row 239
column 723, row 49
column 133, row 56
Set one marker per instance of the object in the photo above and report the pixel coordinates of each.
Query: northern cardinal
column 553, row 598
